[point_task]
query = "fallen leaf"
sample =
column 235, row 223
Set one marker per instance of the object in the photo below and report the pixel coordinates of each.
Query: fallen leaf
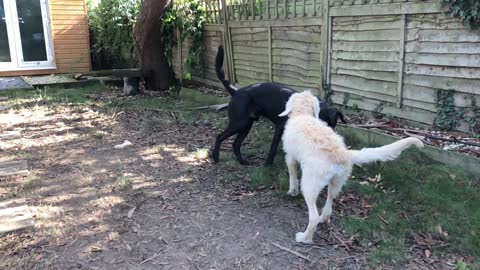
column 427, row 253
column 130, row 213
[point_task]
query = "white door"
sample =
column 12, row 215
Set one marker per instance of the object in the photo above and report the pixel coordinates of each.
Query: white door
column 25, row 37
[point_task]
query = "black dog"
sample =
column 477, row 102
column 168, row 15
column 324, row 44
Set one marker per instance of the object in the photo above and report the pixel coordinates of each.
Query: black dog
column 251, row 102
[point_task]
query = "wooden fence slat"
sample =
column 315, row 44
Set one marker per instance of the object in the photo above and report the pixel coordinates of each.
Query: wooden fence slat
column 401, row 60
column 270, row 66
column 276, row 8
column 268, row 8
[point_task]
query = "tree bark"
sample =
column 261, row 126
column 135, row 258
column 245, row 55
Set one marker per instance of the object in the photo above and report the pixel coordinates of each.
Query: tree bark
column 156, row 71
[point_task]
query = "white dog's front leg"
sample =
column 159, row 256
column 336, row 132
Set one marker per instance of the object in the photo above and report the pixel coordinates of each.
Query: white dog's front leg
column 293, row 176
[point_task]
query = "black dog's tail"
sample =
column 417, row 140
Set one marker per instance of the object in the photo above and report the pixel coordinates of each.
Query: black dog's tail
column 220, row 73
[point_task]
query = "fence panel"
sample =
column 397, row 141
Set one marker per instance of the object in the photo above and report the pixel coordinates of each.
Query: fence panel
column 377, row 55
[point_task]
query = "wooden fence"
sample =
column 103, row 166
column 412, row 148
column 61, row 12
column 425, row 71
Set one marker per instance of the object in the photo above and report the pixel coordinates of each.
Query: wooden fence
column 388, row 55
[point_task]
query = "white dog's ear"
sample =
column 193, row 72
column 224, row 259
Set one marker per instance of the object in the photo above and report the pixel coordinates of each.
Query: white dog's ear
column 316, row 109
column 288, row 108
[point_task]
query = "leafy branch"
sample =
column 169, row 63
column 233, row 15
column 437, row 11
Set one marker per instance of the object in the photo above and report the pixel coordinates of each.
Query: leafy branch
column 188, row 17
column 467, row 10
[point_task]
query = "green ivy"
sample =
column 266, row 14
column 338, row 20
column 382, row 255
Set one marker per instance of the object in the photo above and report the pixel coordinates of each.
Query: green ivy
column 377, row 111
column 188, row 17
column 111, row 25
column 328, row 92
column 473, row 120
column 467, row 10
column 346, row 98
column 447, row 117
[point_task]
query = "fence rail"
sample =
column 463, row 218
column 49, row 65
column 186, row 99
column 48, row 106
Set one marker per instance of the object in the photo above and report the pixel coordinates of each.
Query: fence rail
column 389, row 55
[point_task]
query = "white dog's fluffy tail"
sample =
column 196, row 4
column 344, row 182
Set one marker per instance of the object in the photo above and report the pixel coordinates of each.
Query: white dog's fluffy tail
column 384, row 153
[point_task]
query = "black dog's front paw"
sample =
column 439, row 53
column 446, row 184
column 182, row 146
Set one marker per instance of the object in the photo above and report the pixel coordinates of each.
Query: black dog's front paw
column 245, row 162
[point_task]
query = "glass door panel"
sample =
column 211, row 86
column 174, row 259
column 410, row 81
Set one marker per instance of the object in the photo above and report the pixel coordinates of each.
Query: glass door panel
column 4, row 44
column 32, row 34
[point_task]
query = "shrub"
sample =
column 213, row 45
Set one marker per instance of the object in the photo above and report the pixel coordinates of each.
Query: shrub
column 111, row 25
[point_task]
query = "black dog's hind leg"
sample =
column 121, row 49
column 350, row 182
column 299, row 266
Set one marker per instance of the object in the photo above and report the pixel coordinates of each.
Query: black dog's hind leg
column 220, row 138
column 233, row 128
column 238, row 143
column 275, row 141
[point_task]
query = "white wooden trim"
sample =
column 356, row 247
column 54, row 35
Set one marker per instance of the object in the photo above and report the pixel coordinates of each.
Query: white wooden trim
column 11, row 40
column 16, row 51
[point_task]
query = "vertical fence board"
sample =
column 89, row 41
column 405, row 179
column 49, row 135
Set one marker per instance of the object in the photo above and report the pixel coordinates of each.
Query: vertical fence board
column 401, row 59
column 270, row 68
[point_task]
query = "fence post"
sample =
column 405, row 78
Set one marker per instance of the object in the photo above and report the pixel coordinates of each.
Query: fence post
column 270, row 65
column 324, row 42
column 228, row 43
column 401, row 59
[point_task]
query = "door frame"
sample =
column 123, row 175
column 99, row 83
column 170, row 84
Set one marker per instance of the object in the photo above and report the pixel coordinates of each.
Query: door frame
column 16, row 51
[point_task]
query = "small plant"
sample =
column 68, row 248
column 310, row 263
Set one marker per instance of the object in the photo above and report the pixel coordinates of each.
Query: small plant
column 447, row 117
column 327, row 89
column 123, row 183
column 377, row 112
column 355, row 107
column 346, row 98
column 113, row 236
column 30, row 183
column 467, row 10
column 461, row 266
column 201, row 154
column 99, row 134
column 473, row 120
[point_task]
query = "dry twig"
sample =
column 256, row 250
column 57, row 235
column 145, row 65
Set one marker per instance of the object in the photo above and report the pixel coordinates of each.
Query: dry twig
column 291, row 251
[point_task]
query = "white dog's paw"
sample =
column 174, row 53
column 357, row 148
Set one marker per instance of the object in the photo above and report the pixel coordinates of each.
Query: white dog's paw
column 293, row 192
column 301, row 238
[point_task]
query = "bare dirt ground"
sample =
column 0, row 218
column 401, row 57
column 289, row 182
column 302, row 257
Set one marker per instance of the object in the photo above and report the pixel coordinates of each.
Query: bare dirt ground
column 158, row 204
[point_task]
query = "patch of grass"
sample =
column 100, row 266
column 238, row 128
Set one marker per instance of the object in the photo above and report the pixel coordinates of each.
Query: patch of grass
column 123, row 183
column 56, row 232
column 201, row 154
column 113, row 236
column 24, row 155
column 99, row 134
column 51, row 95
column 419, row 196
column 30, row 183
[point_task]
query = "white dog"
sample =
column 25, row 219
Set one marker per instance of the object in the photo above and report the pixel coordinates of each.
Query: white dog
column 323, row 157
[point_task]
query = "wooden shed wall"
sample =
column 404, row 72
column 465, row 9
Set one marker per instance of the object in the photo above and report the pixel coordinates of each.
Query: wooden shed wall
column 70, row 35
column 71, row 43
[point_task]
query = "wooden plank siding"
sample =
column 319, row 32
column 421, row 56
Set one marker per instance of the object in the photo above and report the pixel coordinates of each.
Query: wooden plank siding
column 364, row 58
column 296, row 56
column 439, row 53
column 70, row 37
column 250, row 54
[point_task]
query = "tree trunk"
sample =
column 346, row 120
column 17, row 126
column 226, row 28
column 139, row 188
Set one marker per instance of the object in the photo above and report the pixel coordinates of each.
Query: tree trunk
column 156, row 71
